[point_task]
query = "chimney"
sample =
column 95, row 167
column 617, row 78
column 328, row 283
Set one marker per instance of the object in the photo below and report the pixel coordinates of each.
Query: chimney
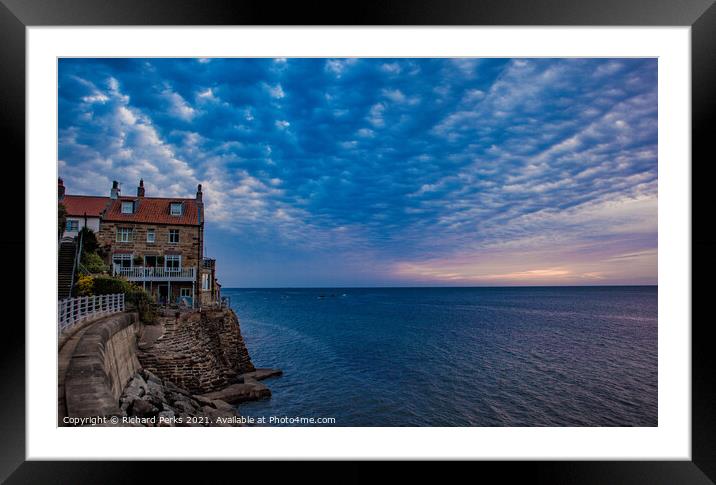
column 140, row 189
column 60, row 189
column 115, row 190
column 200, row 209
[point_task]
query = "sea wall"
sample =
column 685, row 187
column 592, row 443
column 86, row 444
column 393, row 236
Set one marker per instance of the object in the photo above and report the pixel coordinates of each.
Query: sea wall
column 102, row 363
column 183, row 371
column 198, row 351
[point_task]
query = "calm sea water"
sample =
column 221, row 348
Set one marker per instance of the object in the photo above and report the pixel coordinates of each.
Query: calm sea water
column 553, row 356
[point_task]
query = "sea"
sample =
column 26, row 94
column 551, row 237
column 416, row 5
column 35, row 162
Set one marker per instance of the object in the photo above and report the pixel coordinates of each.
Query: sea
column 517, row 356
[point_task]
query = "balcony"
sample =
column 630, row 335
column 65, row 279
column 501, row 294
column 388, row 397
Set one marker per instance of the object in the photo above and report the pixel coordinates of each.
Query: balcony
column 142, row 273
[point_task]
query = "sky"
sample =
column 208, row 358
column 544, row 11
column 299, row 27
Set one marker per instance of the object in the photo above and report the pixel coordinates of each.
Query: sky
column 383, row 172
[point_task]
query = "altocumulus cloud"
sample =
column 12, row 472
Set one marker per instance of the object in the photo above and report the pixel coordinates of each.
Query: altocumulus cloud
column 384, row 171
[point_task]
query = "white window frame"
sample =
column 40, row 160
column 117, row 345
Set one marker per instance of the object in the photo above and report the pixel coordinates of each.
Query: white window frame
column 123, row 256
column 172, row 257
column 154, row 236
column 130, row 204
column 151, row 256
column 122, row 231
column 175, row 205
column 170, row 236
column 206, row 281
column 182, row 290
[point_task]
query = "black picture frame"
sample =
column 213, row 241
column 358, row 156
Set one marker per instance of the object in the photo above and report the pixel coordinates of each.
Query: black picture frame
column 700, row 15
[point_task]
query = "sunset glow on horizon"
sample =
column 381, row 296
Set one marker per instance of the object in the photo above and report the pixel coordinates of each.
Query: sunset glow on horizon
column 385, row 172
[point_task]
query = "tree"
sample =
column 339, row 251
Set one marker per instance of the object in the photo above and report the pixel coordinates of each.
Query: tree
column 89, row 240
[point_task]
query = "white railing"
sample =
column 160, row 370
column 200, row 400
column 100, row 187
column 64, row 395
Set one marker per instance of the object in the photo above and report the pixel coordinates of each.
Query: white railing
column 142, row 273
column 73, row 310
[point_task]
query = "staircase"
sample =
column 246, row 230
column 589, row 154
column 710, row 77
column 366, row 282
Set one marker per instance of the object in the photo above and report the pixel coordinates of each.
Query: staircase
column 65, row 268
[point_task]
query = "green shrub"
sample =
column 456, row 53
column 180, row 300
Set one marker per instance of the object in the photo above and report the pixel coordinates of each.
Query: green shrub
column 94, row 263
column 143, row 303
column 106, row 285
column 135, row 298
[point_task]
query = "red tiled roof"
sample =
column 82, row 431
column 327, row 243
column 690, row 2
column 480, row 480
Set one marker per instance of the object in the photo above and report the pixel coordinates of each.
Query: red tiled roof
column 78, row 205
column 154, row 210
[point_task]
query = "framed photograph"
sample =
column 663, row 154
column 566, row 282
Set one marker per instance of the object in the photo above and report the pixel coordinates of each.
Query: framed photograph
column 441, row 232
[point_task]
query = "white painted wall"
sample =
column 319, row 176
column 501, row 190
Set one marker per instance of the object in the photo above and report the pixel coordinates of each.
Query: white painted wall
column 92, row 223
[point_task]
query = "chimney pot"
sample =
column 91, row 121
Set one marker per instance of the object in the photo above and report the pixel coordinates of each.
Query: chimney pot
column 140, row 189
column 60, row 188
column 114, row 193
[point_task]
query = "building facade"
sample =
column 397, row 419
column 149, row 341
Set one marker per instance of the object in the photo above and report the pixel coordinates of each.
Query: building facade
column 81, row 211
column 158, row 243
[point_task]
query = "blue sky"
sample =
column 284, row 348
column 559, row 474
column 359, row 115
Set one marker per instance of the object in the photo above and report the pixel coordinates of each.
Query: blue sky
column 355, row 172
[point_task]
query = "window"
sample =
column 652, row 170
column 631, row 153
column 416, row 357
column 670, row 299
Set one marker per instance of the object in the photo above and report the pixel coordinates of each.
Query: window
column 72, row 225
column 172, row 262
column 122, row 260
column 175, row 209
column 150, row 235
column 174, row 236
column 205, row 281
column 127, row 207
column 151, row 261
column 124, row 234
column 185, row 292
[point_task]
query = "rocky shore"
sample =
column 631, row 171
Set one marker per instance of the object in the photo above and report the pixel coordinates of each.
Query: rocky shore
column 150, row 401
column 190, row 368
column 195, row 369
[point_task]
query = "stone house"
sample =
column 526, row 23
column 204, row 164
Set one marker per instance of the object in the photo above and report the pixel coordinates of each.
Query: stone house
column 158, row 243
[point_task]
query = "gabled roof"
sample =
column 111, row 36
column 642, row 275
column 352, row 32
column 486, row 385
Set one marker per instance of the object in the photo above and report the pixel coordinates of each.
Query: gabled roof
column 79, row 205
column 153, row 210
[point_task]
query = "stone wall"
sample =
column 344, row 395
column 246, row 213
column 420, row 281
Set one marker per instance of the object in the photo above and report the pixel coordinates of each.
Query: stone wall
column 199, row 351
column 103, row 362
column 189, row 244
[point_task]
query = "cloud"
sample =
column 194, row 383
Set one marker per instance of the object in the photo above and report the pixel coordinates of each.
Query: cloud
column 454, row 171
column 339, row 66
column 178, row 106
column 276, row 91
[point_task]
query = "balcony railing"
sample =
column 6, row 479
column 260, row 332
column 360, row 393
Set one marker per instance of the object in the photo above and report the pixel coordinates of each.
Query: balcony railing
column 142, row 273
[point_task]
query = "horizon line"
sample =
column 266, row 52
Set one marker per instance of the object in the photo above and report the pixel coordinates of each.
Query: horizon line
column 430, row 287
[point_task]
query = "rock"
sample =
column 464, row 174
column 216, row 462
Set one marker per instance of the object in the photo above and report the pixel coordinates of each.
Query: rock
column 221, row 417
column 184, row 418
column 166, row 419
column 248, row 391
column 154, row 401
column 155, row 389
column 151, row 377
column 184, row 407
column 125, row 404
column 174, row 388
column 136, row 388
column 143, row 409
column 203, row 400
column 219, row 404
column 261, row 374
